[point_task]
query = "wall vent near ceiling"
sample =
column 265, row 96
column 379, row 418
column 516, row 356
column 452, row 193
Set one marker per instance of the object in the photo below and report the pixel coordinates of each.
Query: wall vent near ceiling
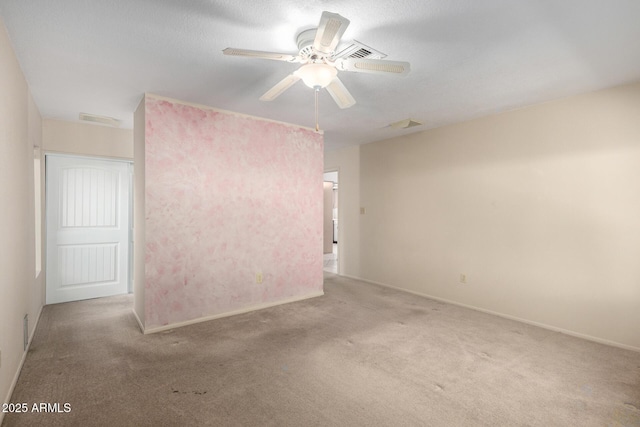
column 358, row 50
column 406, row 123
column 103, row 120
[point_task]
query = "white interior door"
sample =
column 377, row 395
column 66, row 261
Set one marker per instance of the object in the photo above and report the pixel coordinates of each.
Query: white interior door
column 87, row 228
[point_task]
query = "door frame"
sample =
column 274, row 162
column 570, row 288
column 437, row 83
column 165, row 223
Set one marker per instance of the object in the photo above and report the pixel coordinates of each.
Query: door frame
column 340, row 221
column 45, row 210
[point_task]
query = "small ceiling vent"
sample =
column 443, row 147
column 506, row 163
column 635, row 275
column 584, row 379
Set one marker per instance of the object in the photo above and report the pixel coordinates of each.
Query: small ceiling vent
column 358, row 50
column 361, row 53
column 406, row 123
column 103, row 120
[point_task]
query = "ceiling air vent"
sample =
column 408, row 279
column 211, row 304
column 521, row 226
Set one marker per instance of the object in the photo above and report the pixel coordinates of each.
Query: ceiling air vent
column 103, row 120
column 358, row 50
column 360, row 53
column 406, row 123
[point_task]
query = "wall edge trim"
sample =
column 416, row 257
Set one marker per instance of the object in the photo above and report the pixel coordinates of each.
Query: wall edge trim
column 140, row 325
column 506, row 316
column 231, row 313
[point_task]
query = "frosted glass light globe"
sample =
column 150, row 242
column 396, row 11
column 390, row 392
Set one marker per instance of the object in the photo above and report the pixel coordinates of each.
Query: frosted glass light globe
column 317, row 75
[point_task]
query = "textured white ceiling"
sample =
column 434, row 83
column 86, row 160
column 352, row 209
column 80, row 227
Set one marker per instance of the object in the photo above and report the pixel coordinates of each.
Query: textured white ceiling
column 468, row 58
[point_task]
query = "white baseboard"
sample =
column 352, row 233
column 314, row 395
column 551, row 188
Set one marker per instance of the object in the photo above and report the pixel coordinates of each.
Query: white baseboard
column 506, row 316
column 138, row 320
column 228, row 313
column 24, row 357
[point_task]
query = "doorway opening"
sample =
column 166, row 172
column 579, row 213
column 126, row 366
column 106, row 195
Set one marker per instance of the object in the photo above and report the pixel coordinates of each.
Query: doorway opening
column 88, row 218
column 331, row 226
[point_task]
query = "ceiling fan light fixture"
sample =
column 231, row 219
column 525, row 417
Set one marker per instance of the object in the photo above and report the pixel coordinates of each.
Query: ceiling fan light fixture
column 317, row 75
column 320, row 63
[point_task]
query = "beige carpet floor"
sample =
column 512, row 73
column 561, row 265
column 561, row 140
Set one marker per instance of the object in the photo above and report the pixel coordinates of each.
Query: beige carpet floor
column 361, row 355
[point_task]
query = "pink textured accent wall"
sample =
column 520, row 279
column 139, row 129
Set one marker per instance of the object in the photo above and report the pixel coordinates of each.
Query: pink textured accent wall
column 228, row 196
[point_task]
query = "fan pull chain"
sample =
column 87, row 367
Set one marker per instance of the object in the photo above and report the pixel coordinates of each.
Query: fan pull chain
column 317, row 90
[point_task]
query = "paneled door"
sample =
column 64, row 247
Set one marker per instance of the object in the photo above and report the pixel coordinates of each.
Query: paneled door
column 87, row 228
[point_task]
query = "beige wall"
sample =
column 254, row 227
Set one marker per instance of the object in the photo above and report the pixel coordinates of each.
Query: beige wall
column 347, row 163
column 87, row 139
column 20, row 289
column 539, row 208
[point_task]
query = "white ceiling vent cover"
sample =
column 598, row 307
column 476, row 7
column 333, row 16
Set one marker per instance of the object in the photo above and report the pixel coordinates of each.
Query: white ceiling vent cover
column 103, row 120
column 406, row 123
column 359, row 50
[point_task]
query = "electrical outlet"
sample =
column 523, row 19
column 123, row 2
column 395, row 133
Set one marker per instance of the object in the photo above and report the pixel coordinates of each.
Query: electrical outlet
column 258, row 278
column 463, row 278
column 362, row 211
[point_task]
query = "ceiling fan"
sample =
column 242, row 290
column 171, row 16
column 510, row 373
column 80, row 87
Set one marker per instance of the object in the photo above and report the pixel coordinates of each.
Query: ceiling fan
column 321, row 63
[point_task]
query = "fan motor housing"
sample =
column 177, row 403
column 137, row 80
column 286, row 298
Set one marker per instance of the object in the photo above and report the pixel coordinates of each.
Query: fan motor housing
column 306, row 38
column 305, row 45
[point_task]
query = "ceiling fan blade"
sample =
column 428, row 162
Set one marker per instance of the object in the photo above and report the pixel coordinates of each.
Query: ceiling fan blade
column 330, row 29
column 280, row 87
column 340, row 94
column 375, row 66
column 260, row 54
